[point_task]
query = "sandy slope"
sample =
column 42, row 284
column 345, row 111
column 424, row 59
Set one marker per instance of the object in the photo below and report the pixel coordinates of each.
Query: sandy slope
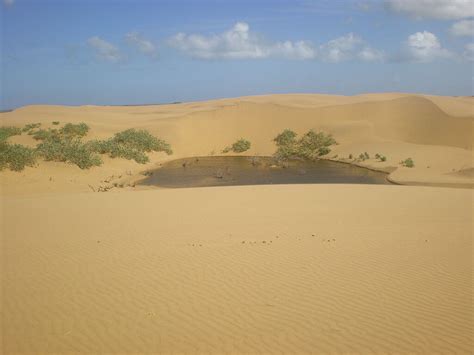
column 296, row 269
column 316, row 268
column 436, row 132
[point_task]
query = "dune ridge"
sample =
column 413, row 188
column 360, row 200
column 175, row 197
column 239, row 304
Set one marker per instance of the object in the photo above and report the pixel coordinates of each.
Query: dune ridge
column 436, row 132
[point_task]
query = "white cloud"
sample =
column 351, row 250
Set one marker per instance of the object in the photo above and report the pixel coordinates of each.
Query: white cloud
column 435, row 9
column 369, row 54
column 104, row 49
column 469, row 51
column 8, row 2
column 348, row 47
column 239, row 43
column 463, row 28
column 143, row 45
column 341, row 48
column 425, row 47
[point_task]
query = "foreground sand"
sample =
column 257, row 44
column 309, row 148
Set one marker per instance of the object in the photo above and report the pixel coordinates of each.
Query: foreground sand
column 301, row 268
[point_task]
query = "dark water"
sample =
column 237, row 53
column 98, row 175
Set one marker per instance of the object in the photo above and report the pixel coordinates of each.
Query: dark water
column 227, row 171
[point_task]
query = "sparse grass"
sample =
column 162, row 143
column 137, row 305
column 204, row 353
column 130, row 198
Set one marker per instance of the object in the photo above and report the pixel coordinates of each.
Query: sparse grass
column 409, row 163
column 30, row 126
column 311, row 145
column 71, row 130
column 8, row 131
column 240, row 146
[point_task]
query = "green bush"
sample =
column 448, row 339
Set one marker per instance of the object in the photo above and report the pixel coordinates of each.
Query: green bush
column 239, row 146
column 68, row 150
column 141, row 140
column 16, row 156
column 8, row 131
column 380, row 157
column 130, row 144
column 30, row 126
column 409, row 163
column 311, row 145
column 44, row 134
column 65, row 145
column 71, row 130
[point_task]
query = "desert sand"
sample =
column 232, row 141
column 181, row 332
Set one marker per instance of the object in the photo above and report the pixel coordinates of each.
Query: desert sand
column 256, row 269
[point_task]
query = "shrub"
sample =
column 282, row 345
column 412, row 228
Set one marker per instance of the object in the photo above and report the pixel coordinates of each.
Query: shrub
column 70, row 130
column 8, row 131
column 380, row 157
column 141, row 140
column 68, row 150
column 311, row 145
column 366, row 155
column 408, row 163
column 350, row 156
column 130, row 144
column 239, row 146
column 55, row 123
column 30, row 126
column 16, row 156
column 44, row 134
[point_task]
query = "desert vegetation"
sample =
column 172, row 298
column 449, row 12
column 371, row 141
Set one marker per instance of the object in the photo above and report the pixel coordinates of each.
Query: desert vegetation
column 311, row 145
column 240, row 146
column 409, row 163
column 66, row 144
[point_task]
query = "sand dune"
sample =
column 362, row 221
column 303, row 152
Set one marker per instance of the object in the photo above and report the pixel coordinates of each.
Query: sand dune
column 297, row 269
column 268, row 269
column 437, row 132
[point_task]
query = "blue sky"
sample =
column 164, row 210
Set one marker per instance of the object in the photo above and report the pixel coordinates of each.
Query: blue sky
column 78, row 52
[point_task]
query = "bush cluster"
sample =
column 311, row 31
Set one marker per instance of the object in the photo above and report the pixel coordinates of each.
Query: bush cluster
column 65, row 145
column 15, row 156
column 380, row 157
column 130, row 144
column 409, row 163
column 240, row 146
column 8, row 131
column 311, row 145
column 30, row 127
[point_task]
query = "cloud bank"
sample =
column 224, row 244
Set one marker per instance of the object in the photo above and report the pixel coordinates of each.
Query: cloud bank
column 433, row 9
column 143, row 45
column 240, row 42
column 104, row 50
